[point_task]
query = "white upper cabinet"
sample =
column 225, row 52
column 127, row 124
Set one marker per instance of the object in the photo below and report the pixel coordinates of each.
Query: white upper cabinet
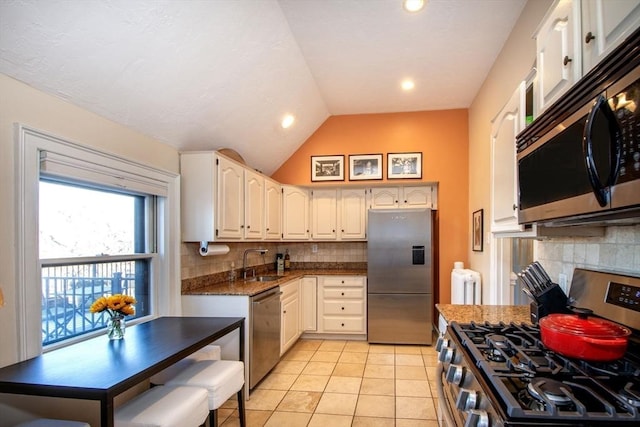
column 504, row 197
column 230, row 201
column 419, row 196
column 272, row 210
column 558, row 54
column 254, row 200
column 605, row 24
column 198, row 196
column 574, row 37
column 324, row 214
column 352, row 214
column 295, row 213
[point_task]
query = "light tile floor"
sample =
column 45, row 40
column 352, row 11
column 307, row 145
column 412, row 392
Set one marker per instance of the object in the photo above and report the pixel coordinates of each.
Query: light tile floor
column 321, row 383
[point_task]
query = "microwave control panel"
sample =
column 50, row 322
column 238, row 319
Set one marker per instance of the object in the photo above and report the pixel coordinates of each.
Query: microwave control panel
column 626, row 106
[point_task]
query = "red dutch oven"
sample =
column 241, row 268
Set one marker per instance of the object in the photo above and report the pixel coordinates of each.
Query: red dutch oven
column 583, row 337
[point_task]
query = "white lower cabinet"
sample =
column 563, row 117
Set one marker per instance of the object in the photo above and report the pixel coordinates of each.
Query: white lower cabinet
column 342, row 305
column 290, row 320
column 309, row 312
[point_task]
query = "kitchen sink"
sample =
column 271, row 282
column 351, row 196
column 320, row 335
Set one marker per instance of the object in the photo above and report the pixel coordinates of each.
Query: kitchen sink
column 264, row 279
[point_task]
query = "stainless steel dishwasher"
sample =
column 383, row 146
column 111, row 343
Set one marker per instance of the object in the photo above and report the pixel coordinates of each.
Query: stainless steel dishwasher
column 264, row 342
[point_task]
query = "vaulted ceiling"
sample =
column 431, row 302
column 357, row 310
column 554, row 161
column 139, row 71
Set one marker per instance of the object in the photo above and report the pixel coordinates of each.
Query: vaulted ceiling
column 201, row 74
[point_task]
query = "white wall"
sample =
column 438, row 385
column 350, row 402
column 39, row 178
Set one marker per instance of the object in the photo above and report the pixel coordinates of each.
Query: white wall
column 511, row 67
column 20, row 103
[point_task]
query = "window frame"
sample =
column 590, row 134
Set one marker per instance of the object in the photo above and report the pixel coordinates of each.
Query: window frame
column 165, row 275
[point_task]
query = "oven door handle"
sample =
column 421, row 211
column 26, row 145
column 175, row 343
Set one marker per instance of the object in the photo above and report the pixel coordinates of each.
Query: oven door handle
column 602, row 190
column 447, row 418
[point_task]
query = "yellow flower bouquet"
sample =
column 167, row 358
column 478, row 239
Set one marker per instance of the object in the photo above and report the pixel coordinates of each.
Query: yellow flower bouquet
column 117, row 306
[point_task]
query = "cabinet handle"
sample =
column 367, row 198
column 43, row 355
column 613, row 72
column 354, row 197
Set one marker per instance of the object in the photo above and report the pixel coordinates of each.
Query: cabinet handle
column 342, row 293
column 343, row 324
column 343, row 281
column 242, row 226
column 333, row 231
column 268, row 229
column 342, row 231
column 343, row 308
column 248, row 227
column 284, row 312
column 405, row 201
column 566, row 60
column 589, row 37
column 515, row 207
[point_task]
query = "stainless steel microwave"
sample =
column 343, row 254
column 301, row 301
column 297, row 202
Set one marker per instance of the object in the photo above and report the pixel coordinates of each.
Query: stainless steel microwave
column 584, row 167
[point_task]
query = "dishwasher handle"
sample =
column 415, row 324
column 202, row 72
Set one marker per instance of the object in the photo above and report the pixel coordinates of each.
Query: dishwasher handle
column 269, row 296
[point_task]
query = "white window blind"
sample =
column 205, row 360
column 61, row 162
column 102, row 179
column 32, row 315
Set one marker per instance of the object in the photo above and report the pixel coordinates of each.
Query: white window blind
column 83, row 170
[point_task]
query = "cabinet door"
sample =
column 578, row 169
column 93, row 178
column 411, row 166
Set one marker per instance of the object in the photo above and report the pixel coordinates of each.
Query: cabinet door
column 309, row 304
column 197, row 196
column 253, row 205
column 384, row 198
column 273, row 210
column 504, row 197
column 324, row 214
column 353, row 214
column 416, row 197
column 559, row 61
column 605, row 24
column 289, row 329
column 295, row 213
column 230, row 224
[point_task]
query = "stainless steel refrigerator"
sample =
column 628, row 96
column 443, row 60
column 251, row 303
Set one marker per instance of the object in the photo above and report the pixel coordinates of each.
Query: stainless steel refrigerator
column 400, row 276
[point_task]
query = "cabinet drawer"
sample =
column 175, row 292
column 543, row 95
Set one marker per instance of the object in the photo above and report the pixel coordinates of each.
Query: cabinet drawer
column 344, row 307
column 343, row 324
column 343, row 281
column 289, row 289
column 343, row 293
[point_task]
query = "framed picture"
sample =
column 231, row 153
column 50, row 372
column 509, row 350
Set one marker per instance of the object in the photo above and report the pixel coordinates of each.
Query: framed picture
column 477, row 230
column 404, row 165
column 365, row 166
column 327, row 168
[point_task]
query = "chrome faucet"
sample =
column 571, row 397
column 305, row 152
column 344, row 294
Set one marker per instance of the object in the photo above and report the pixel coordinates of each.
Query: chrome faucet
column 244, row 261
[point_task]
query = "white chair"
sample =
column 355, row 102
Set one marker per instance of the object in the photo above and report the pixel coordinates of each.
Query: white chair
column 209, row 352
column 48, row 422
column 164, row 407
column 221, row 378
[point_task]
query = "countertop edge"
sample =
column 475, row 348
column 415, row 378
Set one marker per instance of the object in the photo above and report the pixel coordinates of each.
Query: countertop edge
column 251, row 288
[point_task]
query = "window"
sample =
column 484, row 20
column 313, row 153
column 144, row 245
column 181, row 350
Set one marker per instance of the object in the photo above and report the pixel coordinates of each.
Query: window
column 92, row 242
column 154, row 195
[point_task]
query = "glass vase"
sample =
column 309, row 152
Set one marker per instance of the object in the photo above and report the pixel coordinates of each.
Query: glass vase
column 116, row 327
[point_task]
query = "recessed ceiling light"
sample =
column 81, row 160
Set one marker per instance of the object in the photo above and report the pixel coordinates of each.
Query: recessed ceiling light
column 413, row 5
column 287, row 121
column 407, row 84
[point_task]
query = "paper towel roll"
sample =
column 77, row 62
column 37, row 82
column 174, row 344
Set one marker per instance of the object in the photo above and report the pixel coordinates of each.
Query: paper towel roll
column 208, row 250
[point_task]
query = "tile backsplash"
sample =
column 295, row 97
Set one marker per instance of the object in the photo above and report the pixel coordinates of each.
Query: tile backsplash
column 618, row 250
column 194, row 265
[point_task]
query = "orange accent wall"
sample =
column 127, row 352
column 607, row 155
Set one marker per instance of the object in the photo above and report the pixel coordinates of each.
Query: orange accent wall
column 443, row 139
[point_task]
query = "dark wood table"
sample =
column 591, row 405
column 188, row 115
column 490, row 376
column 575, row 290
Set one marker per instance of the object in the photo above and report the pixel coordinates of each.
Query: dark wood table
column 100, row 369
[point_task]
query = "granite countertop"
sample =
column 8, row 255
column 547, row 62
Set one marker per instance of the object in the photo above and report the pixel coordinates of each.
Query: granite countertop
column 484, row 313
column 250, row 288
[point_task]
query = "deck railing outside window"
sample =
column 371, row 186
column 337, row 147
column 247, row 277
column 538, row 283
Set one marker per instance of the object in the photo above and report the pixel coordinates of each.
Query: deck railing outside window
column 69, row 290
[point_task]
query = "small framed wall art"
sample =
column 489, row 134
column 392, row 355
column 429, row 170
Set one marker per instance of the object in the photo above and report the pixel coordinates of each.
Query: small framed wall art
column 478, row 230
column 404, row 165
column 365, row 166
column 327, row 168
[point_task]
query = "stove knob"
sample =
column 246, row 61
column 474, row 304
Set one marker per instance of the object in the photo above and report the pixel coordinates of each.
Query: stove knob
column 446, row 355
column 477, row 418
column 467, row 399
column 455, row 374
column 441, row 343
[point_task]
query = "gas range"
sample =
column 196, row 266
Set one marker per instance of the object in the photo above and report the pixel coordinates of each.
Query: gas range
column 503, row 375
